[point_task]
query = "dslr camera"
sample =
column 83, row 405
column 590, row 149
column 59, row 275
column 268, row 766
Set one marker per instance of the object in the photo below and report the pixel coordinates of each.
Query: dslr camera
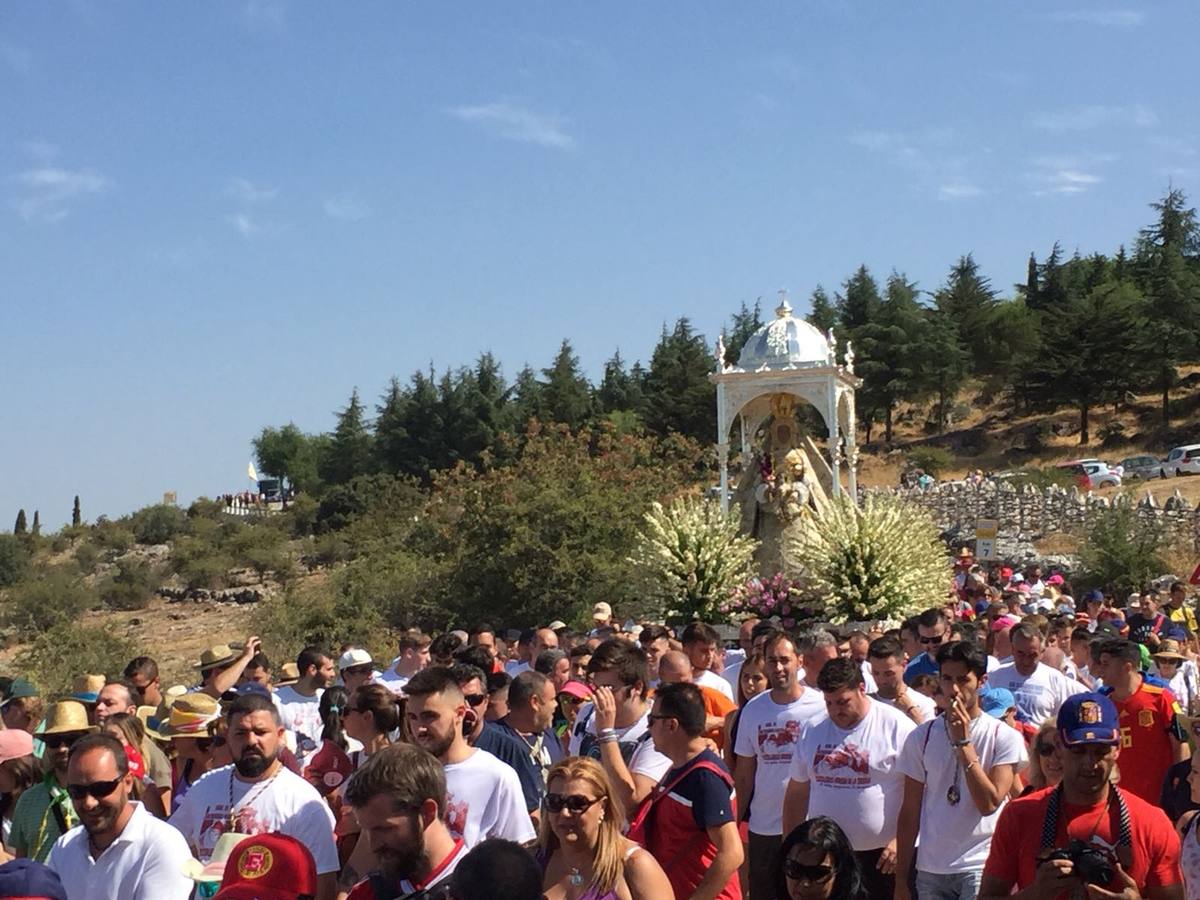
column 1091, row 864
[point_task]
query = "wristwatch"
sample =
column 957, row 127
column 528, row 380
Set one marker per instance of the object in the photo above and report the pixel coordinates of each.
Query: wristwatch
column 961, row 743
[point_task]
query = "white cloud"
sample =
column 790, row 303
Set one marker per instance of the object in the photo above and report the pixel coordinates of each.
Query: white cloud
column 516, row 123
column 244, row 224
column 1083, row 118
column 246, row 191
column 1067, row 175
column 346, row 208
column 48, row 193
column 1106, row 18
column 19, row 59
column 959, row 189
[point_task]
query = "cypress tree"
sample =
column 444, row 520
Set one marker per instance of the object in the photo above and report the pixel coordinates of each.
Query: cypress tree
column 19, row 527
column 37, row 522
column 76, row 514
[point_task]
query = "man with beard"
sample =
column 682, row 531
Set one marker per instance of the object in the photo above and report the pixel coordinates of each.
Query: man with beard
column 44, row 812
column 120, row 851
column 399, row 798
column 300, row 703
column 483, row 795
column 258, row 794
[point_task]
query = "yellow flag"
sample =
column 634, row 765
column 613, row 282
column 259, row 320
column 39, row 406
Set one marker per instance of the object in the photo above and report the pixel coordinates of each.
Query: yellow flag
column 250, row 471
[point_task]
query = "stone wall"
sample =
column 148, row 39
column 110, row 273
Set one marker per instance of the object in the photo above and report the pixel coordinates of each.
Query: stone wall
column 1026, row 513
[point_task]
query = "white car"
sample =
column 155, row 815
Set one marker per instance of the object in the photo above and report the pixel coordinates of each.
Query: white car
column 1092, row 474
column 1183, row 460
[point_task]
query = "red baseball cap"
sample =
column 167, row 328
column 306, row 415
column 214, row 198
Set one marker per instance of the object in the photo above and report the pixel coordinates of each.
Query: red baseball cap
column 269, row 867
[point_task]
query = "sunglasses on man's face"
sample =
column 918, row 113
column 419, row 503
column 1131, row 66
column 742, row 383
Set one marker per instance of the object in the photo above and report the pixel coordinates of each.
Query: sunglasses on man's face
column 573, row 803
column 57, row 741
column 357, row 670
column 933, row 641
column 476, row 699
column 97, row 789
column 798, row 871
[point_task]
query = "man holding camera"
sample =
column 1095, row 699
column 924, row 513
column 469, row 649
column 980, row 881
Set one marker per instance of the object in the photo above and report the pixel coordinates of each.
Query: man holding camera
column 1086, row 837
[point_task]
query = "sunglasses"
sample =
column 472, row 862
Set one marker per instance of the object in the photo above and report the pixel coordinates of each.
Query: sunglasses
column 933, row 640
column 574, row 803
column 97, row 789
column 476, row 699
column 357, row 670
column 797, row 871
column 1044, row 749
column 55, row 741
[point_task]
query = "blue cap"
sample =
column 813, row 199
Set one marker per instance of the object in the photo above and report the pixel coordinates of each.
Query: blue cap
column 1094, row 597
column 996, row 701
column 28, row 879
column 1089, row 718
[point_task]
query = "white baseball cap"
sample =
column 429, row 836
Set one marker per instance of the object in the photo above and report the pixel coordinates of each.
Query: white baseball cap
column 355, row 656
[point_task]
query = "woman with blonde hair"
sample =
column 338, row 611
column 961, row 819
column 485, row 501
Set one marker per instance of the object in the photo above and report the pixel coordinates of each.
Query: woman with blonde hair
column 581, row 850
column 128, row 729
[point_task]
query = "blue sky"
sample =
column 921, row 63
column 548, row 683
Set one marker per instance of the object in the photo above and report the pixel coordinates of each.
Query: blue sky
column 223, row 215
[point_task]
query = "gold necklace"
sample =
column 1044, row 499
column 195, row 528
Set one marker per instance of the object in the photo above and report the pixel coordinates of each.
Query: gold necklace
column 247, row 801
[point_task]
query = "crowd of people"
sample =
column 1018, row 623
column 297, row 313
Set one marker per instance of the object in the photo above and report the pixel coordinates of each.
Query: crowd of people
column 1008, row 740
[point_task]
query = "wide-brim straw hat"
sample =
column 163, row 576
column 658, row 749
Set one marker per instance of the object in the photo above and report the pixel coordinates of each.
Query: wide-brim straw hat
column 87, row 688
column 190, row 717
column 156, row 717
column 1168, row 648
column 67, row 717
column 217, row 655
column 290, row 673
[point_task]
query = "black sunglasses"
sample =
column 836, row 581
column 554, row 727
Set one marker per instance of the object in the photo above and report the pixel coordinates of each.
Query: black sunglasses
column 576, row 803
column 357, row 670
column 97, row 789
column 1044, row 749
column 797, row 871
column 54, row 741
column 475, row 699
column 933, row 640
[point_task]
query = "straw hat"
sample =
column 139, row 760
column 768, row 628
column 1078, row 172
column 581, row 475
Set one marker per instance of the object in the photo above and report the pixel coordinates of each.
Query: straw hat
column 217, row 655
column 155, row 718
column 87, row 688
column 190, row 717
column 212, row 871
column 290, row 672
column 1168, row 649
column 66, row 717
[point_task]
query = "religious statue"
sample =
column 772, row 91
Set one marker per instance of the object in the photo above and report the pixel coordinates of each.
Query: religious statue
column 849, row 359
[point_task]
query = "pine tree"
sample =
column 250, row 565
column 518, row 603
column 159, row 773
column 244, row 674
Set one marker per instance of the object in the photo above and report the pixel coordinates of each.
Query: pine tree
column 1031, row 287
column 743, row 324
column 350, row 451
column 37, row 523
column 944, row 365
column 20, row 527
column 526, row 399
column 1167, row 274
column 619, row 391
column 821, row 315
column 859, row 302
column 969, row 303
column 679, row 396
column 76, row 514
column 1052, row 288
column 891, row 349
column 566, row 394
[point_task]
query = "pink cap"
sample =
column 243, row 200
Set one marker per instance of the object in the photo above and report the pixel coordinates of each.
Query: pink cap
column 1003, row 622
column 1054, row 579
column 576, row 689
column 15, row 743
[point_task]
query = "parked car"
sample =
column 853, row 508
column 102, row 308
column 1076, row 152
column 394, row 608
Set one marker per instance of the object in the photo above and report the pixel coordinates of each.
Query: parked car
column 1142, row 467
column 1183, row 460
column 1092, row 473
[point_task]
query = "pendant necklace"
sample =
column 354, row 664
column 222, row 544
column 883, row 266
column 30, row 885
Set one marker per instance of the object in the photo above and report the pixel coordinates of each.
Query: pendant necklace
column 952, row 793
column 576, row 878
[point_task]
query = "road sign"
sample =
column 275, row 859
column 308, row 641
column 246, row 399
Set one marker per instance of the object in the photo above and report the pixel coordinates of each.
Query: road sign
column 985, row 538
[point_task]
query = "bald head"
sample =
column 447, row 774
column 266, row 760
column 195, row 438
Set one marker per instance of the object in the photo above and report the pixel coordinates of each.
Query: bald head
column 674, row 667
column 544, row 639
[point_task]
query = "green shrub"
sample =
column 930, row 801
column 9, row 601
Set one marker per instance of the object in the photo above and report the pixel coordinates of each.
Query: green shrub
column 131, row 586
column 112, row 538
column 86, row 557
column 68, row 649
column 1123, row 552
column 933, row 460
column 301, row 515
column 200, row 563
column 203, row 508
column 56, row 596
column 14, row 559
column 157, row 524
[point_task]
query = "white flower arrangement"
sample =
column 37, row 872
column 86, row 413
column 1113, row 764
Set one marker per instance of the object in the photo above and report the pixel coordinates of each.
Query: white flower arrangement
column 691, row 556
column 884, row 560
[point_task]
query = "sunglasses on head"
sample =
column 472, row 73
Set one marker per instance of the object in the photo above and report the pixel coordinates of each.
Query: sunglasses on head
column 97, row 789
column 575, row 803
column 798, row 871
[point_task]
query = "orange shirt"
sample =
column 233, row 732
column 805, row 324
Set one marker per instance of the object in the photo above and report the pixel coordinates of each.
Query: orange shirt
column 716, row 704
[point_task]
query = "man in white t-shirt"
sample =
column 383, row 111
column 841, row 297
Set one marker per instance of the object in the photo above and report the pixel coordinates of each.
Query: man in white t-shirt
column 702, row 645
column 615, row 728
column 483, row 795
column 414, row 656
column 845, row 768
column 258, row 794
column 1038, row 688
column 120, row 850
column 300, row 704
column 768, row 731
column 958, row 770
column 886, row 658
column 399, row 799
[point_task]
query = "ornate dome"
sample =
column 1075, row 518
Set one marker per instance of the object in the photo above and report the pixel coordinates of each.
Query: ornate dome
column 785, row 342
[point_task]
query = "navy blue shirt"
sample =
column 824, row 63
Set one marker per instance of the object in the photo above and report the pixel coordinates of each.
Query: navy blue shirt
column 705, row 792
column 922, row 664
column 513, row 752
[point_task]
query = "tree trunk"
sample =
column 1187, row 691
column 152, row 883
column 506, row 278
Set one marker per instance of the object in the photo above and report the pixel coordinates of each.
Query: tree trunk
column 887, row 424
column 867, row 430
column 1166, row 400
column 941, row 410
column 1083, row 424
